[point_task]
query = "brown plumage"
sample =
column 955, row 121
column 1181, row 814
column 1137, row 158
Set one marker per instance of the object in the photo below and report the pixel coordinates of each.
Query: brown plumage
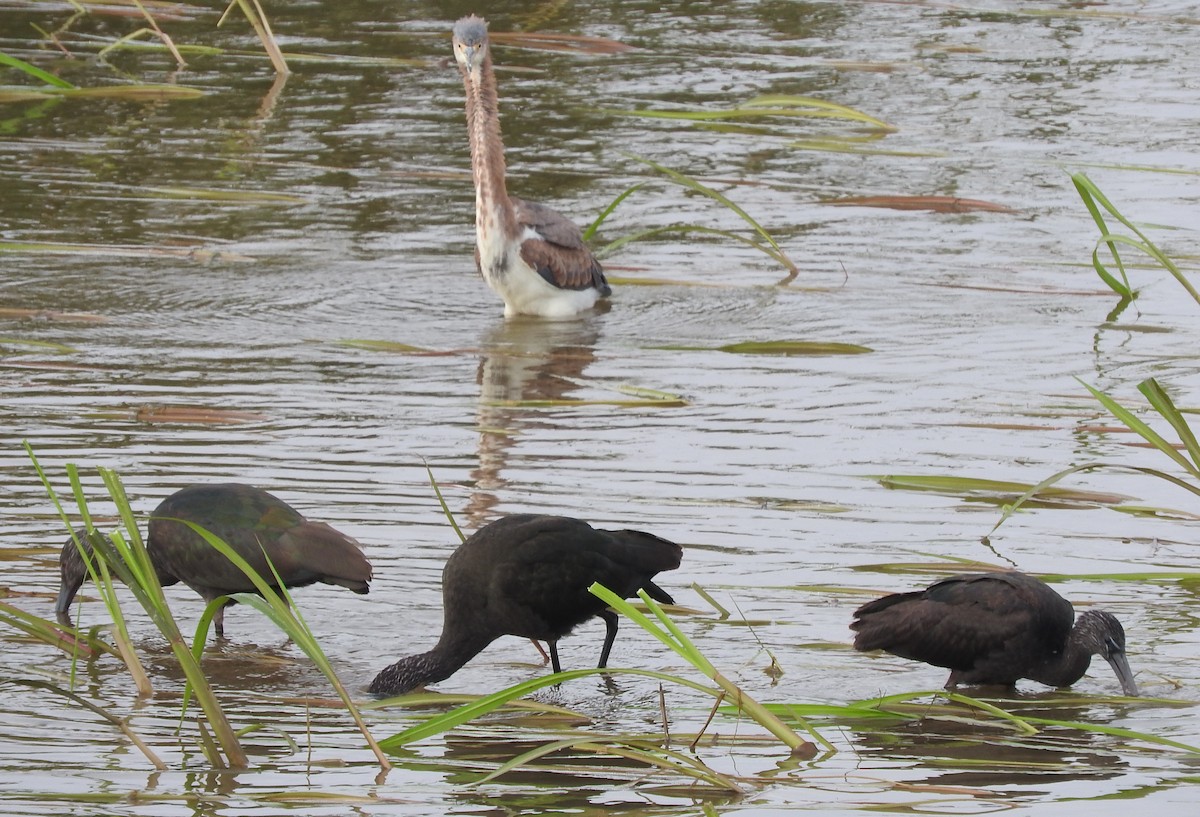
column 531, row 256
column 994, row 628
column 255, row 524
column 528, row 575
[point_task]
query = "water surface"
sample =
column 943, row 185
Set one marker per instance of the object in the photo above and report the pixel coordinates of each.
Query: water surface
column 344, row 213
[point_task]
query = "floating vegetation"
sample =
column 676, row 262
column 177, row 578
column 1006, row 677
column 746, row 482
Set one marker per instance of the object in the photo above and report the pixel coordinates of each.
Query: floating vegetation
column 937, row 204
column 57, row 87
column 193, row 415
column 42, row 345
column 543, row 41
column 998, row 491
column 782, row 348
column 388, row 346
column 119, row 251
column 957, row 711
column 775, row 105
column 51, row 315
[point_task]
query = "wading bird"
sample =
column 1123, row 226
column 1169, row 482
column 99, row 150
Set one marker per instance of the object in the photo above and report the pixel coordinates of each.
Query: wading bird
column 530, row 256
column 994, row 628
column 255, row 524
column 528, row 575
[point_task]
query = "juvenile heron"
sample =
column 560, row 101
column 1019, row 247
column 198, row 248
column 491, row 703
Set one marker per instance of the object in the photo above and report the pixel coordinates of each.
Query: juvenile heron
column 994, row 628
column 253, row 523
column 531, row 256
column 528, row 575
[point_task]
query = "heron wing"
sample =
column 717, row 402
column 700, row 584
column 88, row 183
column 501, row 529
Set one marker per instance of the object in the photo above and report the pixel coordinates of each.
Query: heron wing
column 554, row 247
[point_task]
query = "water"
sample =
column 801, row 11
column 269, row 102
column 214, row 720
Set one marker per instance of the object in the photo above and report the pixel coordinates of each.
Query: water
column 355, row 224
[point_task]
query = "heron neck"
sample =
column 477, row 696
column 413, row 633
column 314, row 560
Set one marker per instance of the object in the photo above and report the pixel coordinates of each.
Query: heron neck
column 493, row 208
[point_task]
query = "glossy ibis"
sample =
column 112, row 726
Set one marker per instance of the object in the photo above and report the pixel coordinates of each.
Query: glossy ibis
column 528, row 575
column 249, row 520
column 994, row 628
column 529, row 255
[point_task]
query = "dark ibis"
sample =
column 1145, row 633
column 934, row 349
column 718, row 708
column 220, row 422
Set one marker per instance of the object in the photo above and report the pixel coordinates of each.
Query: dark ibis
column 256, row 524
column 994, row 628
column 528, row 575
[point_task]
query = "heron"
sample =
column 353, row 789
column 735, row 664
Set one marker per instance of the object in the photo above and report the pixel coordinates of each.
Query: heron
column 257, row 525
column 531, row 256
column 528, row 575
column 994, row 628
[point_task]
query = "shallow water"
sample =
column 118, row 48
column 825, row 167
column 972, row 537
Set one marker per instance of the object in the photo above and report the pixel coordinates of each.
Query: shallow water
column 978, row 325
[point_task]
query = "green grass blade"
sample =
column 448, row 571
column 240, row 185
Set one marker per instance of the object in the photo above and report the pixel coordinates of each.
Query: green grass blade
column 641, row 235
column 1165, row 406
column 276, row 604
column 462, row 537
column 1144, row 431
column 674, row 638
column 489, row 703
column 1117, row 731
column 1090, row 194
column 33, row 71
column 607, row 211
column 693, row 184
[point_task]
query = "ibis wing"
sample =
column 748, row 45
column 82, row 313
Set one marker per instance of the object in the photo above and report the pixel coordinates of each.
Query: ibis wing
column 952, row 624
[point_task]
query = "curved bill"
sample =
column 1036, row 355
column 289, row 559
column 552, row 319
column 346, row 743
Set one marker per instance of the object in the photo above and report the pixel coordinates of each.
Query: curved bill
column 1116, row 660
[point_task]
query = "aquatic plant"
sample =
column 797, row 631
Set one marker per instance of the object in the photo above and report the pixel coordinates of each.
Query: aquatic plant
column 124, row 555
column 1095, row 200
column 768, row 245
column 1162, row 403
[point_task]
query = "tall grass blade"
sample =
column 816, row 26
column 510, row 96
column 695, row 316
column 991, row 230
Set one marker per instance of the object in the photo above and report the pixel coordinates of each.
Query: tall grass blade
column 97, row 571
column 677, row 641
column 1157, row 396
column 278, row 607
column 462, row 537
column 1143, row 430
column 262, row 27
column 131, row 563
column 607, row 211
column 1089, row 193
column 1093, row 199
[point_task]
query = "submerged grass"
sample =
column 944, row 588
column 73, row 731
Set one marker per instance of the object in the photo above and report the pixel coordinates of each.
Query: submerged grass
column 768, row 245
column 958, row 709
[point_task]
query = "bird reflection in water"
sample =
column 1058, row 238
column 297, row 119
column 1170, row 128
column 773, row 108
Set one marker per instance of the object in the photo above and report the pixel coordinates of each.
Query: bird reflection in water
column 524, row 363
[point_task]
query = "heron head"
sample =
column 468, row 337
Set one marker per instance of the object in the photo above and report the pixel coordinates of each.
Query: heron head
column 470, row 43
